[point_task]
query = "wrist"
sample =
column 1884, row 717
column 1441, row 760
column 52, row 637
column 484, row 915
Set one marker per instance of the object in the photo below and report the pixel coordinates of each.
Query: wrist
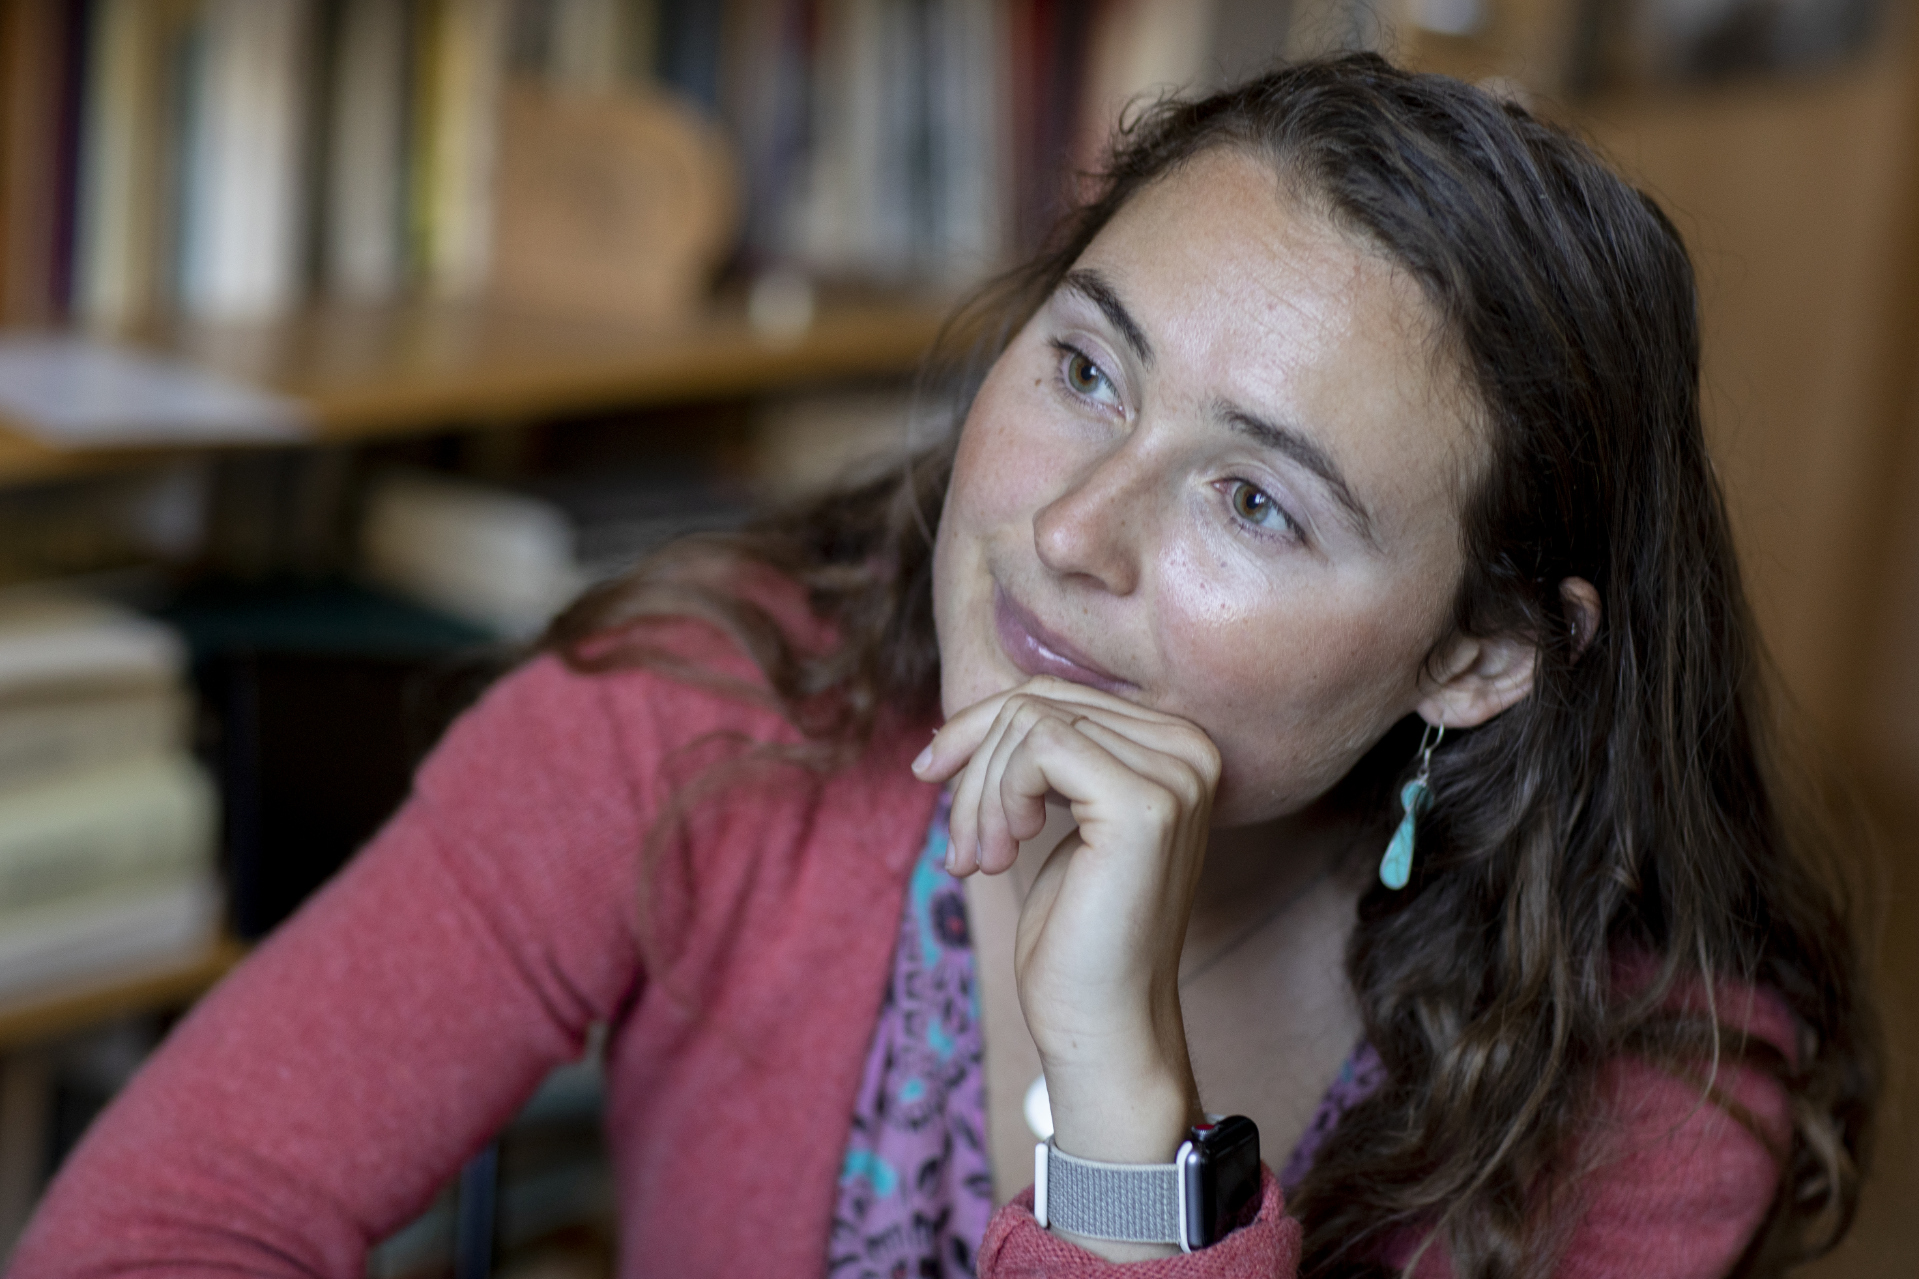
column 1132, row 1211
column 1122, row 1117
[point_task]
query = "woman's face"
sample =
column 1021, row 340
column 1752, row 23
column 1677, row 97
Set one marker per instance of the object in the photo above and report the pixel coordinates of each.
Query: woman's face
column 1219, row 474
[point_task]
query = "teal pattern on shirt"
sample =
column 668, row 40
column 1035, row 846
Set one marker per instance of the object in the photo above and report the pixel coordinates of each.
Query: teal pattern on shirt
column 916, row 1187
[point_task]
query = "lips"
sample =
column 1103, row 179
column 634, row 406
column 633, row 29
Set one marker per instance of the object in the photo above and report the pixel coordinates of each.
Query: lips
column 1038, row 651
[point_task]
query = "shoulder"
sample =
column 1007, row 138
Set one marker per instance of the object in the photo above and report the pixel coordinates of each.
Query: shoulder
column 1677, row 1166
column 1681, row 1163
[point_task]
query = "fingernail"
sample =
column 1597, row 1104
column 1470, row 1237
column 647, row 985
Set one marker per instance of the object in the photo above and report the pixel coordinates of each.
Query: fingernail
column 924, row 760
column 952, row 859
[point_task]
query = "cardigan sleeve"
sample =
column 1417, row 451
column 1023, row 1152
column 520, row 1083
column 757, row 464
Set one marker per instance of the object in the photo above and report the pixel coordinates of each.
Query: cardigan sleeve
column 318, row 1098
column 1674, row 1186
column 1016, row 1246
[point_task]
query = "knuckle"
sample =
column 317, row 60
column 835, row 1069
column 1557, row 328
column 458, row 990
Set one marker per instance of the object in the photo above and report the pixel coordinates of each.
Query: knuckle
column 1189, row 785
column 1049, row 731
column 1201, row 753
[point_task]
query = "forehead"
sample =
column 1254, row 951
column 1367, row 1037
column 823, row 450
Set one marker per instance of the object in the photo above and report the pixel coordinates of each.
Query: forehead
column 1252, row 295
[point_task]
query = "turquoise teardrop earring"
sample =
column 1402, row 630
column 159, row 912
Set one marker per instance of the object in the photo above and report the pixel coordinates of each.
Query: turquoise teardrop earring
column 1396, row 867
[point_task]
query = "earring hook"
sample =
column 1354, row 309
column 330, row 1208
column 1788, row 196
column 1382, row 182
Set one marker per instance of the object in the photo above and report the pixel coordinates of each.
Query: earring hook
column 1429, row 742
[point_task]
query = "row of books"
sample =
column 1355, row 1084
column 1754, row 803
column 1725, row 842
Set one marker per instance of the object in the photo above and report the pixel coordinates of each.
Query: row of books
column 238, row 157
column 224, row 157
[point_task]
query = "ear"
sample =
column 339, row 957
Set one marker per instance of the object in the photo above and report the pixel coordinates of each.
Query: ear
column 1472, row 680
column 1582, row 611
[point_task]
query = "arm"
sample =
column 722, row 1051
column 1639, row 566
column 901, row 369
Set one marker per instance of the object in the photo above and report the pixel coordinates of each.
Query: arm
column 320, row 1096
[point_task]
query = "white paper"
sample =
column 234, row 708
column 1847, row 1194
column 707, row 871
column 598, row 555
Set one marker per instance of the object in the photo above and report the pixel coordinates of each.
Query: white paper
column 75, row 393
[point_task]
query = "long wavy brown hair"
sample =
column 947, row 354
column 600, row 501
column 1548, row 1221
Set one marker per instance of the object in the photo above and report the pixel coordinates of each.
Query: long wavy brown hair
column 1631, row 808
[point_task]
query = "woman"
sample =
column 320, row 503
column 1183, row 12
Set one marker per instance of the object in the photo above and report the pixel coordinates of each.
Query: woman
column 1339, row 642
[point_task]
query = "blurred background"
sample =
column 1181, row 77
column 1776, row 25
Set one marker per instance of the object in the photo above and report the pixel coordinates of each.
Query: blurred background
column 341, row 341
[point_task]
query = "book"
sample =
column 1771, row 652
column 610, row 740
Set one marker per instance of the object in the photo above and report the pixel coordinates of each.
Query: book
column 364, row 241
column 49, row 735
column 458, row 80
column 33, row 67
column 89, row 937
column 969, row 131
column 243, row 207
column 688, row 39
column 119, row 160
column 500, row 559
column 114, row 830
column 598, row 46
column 50, row 638
column 80, row 392
column 84, row 685
column 508, row 559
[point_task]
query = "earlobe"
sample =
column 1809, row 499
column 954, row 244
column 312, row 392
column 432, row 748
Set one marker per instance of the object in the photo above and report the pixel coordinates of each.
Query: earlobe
column 1478, row 679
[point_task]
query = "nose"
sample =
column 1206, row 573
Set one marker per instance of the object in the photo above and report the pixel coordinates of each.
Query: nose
column 1095, row 529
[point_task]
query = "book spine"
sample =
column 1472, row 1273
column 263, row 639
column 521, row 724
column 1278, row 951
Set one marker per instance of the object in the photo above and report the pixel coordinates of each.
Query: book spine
column 25, row 40
column 115, row 827
column 364, row 252
column 967, row 128
column 75, row 23
column 242, row 236
column 460, row 79
column 44, row 740
column 78, row 939
column 116, row 150
column 690, row 38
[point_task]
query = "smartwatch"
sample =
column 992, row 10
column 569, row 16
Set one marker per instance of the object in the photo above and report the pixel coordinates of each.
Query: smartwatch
column 1196, row 1200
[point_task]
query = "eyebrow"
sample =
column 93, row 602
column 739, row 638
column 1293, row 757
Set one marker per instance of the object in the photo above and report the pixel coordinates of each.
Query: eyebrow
column 1095, row 288
column 1297, row 446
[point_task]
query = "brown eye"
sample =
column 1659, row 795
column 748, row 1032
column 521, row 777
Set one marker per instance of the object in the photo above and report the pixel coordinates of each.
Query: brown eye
column 1255, row 507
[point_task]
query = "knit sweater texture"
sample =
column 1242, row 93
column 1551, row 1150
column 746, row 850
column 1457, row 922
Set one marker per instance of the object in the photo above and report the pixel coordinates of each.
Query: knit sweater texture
column 622, row 849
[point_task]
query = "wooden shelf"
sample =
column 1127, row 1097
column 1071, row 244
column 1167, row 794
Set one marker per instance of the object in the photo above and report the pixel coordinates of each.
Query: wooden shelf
column 145, row 988
column 366, row 372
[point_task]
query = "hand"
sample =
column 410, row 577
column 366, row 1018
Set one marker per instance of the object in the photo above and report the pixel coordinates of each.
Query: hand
column 1100, row 933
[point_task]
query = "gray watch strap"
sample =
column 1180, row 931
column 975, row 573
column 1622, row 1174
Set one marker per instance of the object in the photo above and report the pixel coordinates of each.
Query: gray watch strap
column 1139, row 1203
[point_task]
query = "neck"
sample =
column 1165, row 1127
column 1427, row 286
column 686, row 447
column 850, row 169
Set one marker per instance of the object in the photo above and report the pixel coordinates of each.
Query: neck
column 1271, row 870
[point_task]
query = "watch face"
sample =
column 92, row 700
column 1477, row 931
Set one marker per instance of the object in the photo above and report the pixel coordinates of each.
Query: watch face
column 1226, row 1161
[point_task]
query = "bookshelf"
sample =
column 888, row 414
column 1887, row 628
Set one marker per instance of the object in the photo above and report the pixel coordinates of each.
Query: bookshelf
column 147, row 987
column 368, row 373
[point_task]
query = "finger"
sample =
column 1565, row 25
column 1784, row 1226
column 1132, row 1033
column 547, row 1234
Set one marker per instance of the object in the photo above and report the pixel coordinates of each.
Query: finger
column 986, row 831
column 963, row 827
column 966, row 731
column 1006, row 818
column 995, row 830
column 1131, row 805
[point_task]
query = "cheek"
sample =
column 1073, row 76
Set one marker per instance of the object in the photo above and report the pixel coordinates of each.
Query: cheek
column 985, row 505
column 1294, row 683
column 1003, row 459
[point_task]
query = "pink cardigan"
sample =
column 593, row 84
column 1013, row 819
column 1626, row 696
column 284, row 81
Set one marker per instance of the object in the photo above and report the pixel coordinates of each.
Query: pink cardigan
column 315, row 1101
